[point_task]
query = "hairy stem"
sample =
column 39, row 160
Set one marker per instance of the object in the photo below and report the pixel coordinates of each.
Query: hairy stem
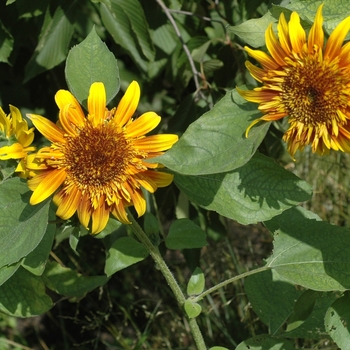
column 169, row 277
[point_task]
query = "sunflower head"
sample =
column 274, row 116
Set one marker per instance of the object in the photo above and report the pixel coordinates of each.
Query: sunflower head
column 15, row 138
column 306, row 81
column 96, row 164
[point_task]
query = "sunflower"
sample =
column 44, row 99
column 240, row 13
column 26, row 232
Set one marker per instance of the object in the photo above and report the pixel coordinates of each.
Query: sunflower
column 96, row 164
column 306, row 81
column 15, row 138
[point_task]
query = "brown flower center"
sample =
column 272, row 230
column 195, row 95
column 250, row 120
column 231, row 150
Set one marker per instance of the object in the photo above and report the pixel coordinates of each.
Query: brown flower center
column 97, row 156
column 313, row 91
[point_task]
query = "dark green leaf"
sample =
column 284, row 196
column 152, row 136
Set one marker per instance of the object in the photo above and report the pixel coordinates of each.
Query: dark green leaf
column 271, row 297
column 68, row 282
column 23, row 295
column 22, row 226
column 124, row 252
column 55, row 38
column 216, row 142
column 310, row 252
column 196, row 283
column 7, row 271
column 90, row 62
column 257, row 191
column 185, row 234
column 337, row 321
column 265, row 342
column 6, row 44
column 192, row 309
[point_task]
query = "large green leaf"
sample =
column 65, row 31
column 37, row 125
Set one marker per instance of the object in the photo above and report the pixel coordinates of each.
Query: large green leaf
column 271, row 297
column 68, row 282
column 23, row 295
column 216, row 142
column 22, row 226
column 257, row 191
column 265, row 342
column 118, row 24
column 337, row 321
column 7, row 271
column 54, row 41
column 89, row 62
column 310, row 252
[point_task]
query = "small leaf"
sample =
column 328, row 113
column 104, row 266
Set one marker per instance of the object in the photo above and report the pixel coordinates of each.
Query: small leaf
column 310, row 252
column 337, row 321
column 90, row 62
column 185, row 234
column 124, row 252
column 55, row 38
column 196, row 283
column 68, row 282
column 6, row 44
column 257, row 191
column 192, row 309
column 216, row 142
column 265, row 342
column 218, row 348
column 22, row 226
column 23, row 295
column 302, row 309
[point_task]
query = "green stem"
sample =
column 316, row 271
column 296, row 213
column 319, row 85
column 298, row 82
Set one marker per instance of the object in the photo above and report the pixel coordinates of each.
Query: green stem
column 163, row 267
column 228, row 281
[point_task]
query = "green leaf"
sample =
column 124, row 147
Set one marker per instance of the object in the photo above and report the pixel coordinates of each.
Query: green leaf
column 35, row 261
column 124, row 252
column 6, row 44
column 271, row 297
column 334, row 11
column 7, row 271
column 68, row 282
column 265, row 342
column 22, row 226
column 216, row 142
column 119, row 26
column 303, row 308
column 192, row 309
column 55, row 38
column 310, row 252
column 23, row 295
column 196, row 283
column 253, row 30
column 337, row 321
column 90, row 62
column 185, row 234
column 257, row 191
column 218, row 348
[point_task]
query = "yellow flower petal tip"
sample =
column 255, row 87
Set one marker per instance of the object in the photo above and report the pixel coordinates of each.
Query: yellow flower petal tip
column 96, row 164
column 306, row 81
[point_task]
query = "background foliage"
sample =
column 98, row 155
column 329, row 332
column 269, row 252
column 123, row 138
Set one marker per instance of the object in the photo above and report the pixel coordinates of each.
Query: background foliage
column 104, row 292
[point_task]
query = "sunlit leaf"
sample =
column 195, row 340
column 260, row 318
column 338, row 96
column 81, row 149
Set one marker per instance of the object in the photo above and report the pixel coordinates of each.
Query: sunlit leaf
column 22, row 226
column 265, row 342
column 196, row 283
column 192, row 309
column 216, row 142
column 255, row 192
column 90, row 62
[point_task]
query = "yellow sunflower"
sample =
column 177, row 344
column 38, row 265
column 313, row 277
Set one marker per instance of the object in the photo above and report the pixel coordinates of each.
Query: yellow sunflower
column 96, row 165
column 306, row 80
column 15, row 138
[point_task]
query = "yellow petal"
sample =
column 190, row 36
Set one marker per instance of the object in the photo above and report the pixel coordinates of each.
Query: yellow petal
column 97, row 103
column 84, row 211
column 142, row 125
column 119, row 212
column 283, row 34
column 128, row 104
column 4, row 123
column 48, row 185
column 296, row 33
column 156, row 143
column 50, row 130
column 76, row 115
column 68, row 203
column 335, row 40
column 14, row 151
column 161, row 179
column 263, row 58
column 99, row 218
column 316, row 35
column 274, row 46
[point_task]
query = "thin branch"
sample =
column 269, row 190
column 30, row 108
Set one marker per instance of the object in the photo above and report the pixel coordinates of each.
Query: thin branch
column 186, row 49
